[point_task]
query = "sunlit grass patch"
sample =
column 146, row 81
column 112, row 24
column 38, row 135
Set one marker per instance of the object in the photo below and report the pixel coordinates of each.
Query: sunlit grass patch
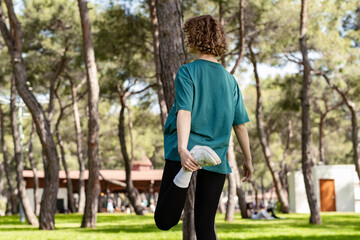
column 120, row 226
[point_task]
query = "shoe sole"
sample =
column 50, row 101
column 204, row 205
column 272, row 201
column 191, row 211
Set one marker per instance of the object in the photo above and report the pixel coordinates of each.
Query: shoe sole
column 214, row 158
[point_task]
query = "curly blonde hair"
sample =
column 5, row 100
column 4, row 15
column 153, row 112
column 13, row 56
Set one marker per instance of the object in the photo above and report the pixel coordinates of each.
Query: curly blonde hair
column 205, row 34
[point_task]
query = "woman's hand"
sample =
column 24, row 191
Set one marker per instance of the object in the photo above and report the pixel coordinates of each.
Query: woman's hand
column 187, row 161
column 248, row 171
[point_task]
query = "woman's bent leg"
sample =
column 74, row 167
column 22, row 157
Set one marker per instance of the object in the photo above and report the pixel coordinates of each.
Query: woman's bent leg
column 171, row 198
column 209, row 186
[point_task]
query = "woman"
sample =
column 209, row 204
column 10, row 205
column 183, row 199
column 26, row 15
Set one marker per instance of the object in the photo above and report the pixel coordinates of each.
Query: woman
column 208, row 103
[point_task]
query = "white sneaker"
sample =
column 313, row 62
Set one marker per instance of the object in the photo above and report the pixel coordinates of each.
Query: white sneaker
column 205, row 156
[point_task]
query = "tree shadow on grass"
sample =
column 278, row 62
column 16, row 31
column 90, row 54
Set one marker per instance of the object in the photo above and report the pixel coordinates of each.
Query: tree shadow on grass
column 143, row 228
column 334, row 226
column 283, row 224
column 296, row 237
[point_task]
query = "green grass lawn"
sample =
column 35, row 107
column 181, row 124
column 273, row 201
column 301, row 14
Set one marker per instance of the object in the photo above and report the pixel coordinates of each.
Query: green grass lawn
column 119, row 226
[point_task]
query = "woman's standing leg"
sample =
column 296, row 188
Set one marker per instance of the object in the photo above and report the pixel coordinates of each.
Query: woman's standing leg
column 171, row 198
column 209, row 186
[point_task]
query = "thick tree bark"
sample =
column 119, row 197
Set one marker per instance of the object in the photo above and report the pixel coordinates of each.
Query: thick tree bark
column 171, row 49
column 160, row 90
column 12, row 205
column 133, row 193
column 221, row 206
column 172, row 55
column 188, row 214
column 79, row 149
column 93, row 184
column 69, row 186
column 33, row 168
column 50, row 110
column 19, row 160
column 14, row 43
column 305, row 120
column 281, row 192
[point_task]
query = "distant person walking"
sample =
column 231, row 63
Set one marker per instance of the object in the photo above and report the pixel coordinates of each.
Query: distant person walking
column 208, row 103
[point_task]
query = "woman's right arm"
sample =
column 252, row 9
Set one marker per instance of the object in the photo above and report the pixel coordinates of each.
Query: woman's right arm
column 243, row 139
column 183, row 123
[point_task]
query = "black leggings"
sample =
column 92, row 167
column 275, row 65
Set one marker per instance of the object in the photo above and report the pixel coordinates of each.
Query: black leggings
column 172, row 198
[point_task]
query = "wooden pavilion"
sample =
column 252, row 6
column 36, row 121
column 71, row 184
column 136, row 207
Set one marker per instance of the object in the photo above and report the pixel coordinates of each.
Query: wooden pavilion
column 144, row 177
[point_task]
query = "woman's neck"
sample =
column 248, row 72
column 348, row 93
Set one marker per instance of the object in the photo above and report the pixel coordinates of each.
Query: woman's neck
column 208, row 57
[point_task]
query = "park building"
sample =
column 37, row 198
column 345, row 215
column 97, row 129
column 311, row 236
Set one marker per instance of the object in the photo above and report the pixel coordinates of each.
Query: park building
column 146, row 179
column 337, row 188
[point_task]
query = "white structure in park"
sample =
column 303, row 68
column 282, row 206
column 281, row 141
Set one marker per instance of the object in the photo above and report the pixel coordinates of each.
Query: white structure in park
column 337, row 188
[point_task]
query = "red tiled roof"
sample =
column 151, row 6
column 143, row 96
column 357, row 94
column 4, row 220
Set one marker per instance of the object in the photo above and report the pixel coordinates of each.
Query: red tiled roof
column 153, row 174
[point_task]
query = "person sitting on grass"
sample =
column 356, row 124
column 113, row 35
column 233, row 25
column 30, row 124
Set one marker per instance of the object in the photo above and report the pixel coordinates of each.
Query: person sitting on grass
column 270, row 210
column 208, row 104
column 254, row 214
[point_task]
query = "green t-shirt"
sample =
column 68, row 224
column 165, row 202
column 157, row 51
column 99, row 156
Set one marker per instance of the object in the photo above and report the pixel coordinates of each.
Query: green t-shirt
column 214, row 99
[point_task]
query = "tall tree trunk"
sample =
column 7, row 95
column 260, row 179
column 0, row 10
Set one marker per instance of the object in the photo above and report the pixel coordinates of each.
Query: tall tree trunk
column 24, row 200
column 93, row 184
column 354, row 135
column 241, row 35
column 321, row 138
column 221, row 206
column 281, row 192
column 239, row 191
column 232, row 183
column 230, row 208
column 50, row 109
column 222, row 22
column 235, row 175
column 262, row 189
column 14, row 43
column 171, row 45
column 323, row 115
column 53, row 79
column 160, row 90
column 188, row 214
column 305, row 120
column 286, row 150
column 12, row 205
column 79, row 148
column 33, row 168
column 172, row 55
column 69, row 186
column 354, row 122
column 256, row 194
column 2, row 189
column 133, row 193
